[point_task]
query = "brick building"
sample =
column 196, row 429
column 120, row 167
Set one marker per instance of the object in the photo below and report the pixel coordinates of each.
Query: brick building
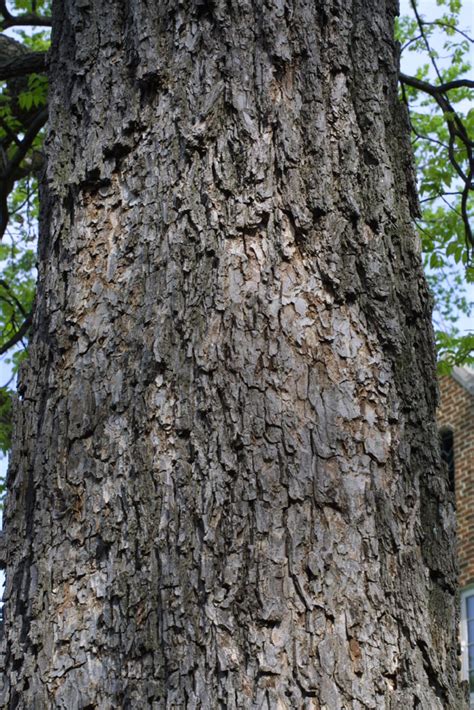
column 456, row 428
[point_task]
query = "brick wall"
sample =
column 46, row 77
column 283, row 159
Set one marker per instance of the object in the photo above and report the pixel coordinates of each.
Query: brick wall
column 456, row 412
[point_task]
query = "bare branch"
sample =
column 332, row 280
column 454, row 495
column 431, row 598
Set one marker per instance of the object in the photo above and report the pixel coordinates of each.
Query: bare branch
column 409, row 42
column 438, row 195
column 425, row 38
column 23, row 64
column 465, row 214
column 33, row 130
column 457, row 130
column 15, row 300
column 8, row 131
column 25, row 20
column 457, row 84
column 19, row 335
column 436, row 89
column 440, row 23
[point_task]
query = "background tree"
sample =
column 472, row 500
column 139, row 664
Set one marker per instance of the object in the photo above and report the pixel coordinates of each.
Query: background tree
column 223, row 488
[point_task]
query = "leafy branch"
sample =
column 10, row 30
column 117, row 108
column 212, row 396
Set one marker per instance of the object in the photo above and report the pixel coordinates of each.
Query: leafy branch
column 457, row 131
column 26, row 19
column 438, row 95
column 7, row 177
column 23, row 114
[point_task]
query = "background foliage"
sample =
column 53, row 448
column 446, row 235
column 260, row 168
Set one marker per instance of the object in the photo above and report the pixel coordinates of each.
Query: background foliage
column 23, row 101
column 443, row 133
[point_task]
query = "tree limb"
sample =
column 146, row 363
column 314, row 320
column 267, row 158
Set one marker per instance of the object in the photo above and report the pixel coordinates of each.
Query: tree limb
column 15, row 300
column 447, row 25
column 465, row 213
column 457, row 130
column 36, row 124
column 23, row 64
column 26, row 21
column 29, row 18
column 8, row 175
column 20, row 333
column 433, row 89
column 425, row 38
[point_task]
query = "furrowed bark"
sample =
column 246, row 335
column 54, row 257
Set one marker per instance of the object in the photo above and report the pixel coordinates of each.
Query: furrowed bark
column 225, row 489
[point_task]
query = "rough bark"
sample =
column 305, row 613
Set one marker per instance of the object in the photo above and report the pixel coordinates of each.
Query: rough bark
column 225, row 489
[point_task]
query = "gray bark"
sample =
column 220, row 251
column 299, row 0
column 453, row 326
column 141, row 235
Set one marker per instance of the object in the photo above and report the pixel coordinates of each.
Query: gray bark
column 225, row 489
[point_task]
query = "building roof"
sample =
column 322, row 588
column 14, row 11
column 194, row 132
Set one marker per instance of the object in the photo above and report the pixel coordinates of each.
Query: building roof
column 465, row 377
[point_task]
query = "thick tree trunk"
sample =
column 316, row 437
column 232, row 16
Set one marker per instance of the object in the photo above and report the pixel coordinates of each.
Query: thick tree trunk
column 225, row 488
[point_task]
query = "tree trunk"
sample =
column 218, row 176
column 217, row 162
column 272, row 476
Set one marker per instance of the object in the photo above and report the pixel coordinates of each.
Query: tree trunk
column 225, row 489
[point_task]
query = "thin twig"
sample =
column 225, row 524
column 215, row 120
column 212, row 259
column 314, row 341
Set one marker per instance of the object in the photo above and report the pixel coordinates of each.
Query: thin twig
column 425, row 38
column 19, row 335
column 8, row 289
column 35, row 126
column 11, row 134
column 440, row 23
column 410, row 41
column 7, row 177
